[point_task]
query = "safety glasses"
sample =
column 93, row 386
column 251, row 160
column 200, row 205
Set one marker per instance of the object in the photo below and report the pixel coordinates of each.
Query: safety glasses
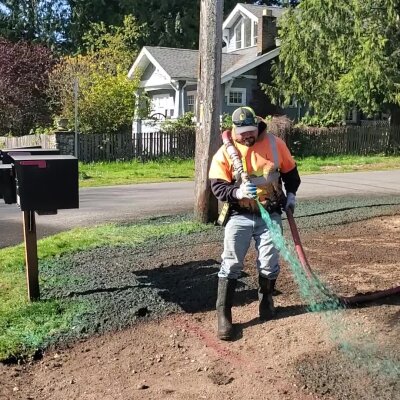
column 249, row 121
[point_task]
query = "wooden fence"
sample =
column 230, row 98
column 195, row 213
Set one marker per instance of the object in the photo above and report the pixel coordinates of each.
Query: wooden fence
column 357, row 140
column 152, row 145
column 45, row 141
column 144, row 146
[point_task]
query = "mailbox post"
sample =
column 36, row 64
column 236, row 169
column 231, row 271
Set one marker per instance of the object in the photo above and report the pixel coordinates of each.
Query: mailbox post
column 31, row 258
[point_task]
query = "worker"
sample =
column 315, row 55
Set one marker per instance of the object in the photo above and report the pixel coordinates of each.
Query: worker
column 267, row 162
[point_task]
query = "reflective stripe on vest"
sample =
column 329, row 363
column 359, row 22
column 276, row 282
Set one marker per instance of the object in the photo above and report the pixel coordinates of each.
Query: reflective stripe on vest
column 272, row 142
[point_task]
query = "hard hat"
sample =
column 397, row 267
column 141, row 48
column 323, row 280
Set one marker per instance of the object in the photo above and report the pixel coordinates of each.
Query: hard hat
column 244, row 119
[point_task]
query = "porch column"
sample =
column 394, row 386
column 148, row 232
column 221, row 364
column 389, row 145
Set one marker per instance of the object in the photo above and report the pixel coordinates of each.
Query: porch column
column 228, row 86
column 138, row 102
column 179, row 99
column 137, row 122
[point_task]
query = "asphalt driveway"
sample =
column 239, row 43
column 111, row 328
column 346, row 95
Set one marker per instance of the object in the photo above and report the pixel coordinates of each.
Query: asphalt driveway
column 132, row 202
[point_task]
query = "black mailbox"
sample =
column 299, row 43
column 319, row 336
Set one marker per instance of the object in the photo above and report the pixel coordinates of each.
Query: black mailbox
column 7, row 184
column 7, row 155
column 46, row 183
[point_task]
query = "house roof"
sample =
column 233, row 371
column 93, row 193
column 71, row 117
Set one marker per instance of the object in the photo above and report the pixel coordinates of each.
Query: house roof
column 182, row 64
column 178, row 64
column 258, row 10
column 247, row 62
column 252, row 11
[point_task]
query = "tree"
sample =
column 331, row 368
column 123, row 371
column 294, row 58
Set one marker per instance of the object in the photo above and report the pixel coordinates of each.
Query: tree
column 62, row 24
column 106, row 96
column 24, row 72
column 106, row 100
column 338, row 55
column 115, row 45
column 84, row 13
column 39, row 21
column 172, row 23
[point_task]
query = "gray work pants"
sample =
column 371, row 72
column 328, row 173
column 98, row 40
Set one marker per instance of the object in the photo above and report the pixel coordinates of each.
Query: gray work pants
column 239, row 231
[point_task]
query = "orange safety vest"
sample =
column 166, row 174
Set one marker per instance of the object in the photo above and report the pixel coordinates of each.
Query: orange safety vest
column 268, row 154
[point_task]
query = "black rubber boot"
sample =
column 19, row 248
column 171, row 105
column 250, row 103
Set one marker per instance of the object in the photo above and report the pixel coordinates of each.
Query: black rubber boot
column 226, row 291
column 266, row 302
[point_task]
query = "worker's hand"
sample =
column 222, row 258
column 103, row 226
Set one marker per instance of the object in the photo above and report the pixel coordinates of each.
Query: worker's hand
column 271, row 177
column 290, row 202
column 246, row 190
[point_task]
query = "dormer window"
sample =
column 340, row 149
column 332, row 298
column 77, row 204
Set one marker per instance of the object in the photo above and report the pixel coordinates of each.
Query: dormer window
column 238, row 35
column 255, row 32
column 247, row 32
column 240, row 29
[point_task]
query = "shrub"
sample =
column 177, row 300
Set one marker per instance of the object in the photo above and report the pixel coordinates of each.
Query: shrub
column 24, row 78
column 226, row 122
column 106, row 101
column 279, row 125
column 183, row 125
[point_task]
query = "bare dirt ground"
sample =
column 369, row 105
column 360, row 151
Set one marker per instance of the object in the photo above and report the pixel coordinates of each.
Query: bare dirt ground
column 348, row 354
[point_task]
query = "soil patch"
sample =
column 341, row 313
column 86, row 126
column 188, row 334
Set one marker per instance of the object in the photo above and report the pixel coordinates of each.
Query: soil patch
column 173, row 352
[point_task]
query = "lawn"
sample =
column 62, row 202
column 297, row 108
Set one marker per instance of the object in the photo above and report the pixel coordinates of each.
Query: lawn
column 131, row 172
column 313, row 165
column 26, row 327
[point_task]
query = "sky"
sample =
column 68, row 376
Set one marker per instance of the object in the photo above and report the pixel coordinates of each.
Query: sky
column 3, row 8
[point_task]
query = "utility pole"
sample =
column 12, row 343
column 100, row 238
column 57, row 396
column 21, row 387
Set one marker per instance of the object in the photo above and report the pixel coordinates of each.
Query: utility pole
column 208, row 106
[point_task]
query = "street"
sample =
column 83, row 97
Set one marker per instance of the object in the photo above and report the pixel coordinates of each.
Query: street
column 131, row 202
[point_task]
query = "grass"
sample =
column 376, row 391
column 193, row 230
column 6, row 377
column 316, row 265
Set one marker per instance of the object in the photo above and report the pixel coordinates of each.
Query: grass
column 26, row 327
column 131, row 172
column 313, row 165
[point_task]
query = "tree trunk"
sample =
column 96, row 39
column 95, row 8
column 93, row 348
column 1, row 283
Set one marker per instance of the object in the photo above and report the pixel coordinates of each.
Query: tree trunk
column 392, row 143
column 208, row 106
column 394, row 114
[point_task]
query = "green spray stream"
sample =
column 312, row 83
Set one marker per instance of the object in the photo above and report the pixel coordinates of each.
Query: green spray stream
column 316, row 294
column 320, row 299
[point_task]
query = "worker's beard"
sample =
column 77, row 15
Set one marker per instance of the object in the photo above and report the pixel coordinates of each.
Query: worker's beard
column 249, row 141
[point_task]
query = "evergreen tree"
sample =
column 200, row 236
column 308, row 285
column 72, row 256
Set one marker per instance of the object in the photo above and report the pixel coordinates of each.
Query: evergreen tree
column 40, row 21
column 62, row 24
column 338, row 55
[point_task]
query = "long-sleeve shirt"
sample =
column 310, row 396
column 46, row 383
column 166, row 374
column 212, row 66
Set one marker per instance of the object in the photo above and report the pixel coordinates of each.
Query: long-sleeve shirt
column 266, row 155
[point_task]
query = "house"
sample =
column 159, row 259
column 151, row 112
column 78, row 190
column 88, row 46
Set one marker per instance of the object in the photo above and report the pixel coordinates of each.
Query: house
column 169, row 75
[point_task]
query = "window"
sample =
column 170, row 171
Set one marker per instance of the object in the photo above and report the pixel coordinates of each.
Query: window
column 237, row 97
column 255, row 32
column 191, row 101
column 247, row 33
column 238, row 35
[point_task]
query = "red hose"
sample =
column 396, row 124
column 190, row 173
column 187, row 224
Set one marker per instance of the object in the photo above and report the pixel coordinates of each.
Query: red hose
column 352, row 300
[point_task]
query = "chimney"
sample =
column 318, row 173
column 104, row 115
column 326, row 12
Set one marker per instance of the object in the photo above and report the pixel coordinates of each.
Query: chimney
column 266, row 33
